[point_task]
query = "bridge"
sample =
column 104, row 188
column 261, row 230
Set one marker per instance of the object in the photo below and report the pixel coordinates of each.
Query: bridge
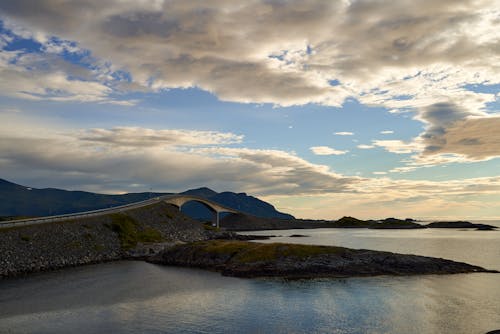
column 176, row 200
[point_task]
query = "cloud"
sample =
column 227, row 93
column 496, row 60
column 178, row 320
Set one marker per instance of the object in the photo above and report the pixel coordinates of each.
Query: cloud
column 398, row 146
column 141, row 137
column 406, row 56
column 325, row 150
column 453, row 135
column 44, row 77
column 344, row 133
column 365, row 147
column 290, row 55
column 474, row 138
column 120, row 158
column 381, row 197
column 386, row 132
column 453, row 129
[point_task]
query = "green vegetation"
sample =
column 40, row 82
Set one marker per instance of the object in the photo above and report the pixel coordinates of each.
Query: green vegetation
column 246, row 252
column 127, row 229
column 25, row 237
column 208, row 226
column 149, row 235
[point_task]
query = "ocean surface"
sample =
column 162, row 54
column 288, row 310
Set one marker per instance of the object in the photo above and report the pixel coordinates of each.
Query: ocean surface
column 137, row 297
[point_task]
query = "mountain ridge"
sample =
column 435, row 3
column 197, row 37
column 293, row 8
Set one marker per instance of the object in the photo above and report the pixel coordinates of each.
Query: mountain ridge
column 20, row 200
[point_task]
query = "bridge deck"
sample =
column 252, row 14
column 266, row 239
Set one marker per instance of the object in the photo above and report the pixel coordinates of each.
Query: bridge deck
column 177, row 200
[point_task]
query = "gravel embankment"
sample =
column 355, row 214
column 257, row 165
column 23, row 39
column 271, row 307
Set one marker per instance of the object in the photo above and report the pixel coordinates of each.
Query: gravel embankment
column 91, row 240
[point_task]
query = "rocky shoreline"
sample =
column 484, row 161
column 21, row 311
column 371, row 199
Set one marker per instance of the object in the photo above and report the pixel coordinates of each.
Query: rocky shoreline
column 243, row 222
column 247, row 259
column 93, row 240
column 161, row 234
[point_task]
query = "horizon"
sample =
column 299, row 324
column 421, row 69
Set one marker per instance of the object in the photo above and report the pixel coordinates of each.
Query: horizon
column 418, row 219
column 323, row 109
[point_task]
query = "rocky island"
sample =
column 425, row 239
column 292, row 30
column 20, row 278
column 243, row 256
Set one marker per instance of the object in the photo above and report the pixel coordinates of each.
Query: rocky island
column 460, row 224
column 250, row 259
column 160, row 233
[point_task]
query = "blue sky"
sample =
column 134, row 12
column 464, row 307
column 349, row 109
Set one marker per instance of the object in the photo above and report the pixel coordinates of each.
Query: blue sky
column 345, row 108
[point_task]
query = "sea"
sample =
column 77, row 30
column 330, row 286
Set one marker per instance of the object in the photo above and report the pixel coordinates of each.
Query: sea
column 138, row 297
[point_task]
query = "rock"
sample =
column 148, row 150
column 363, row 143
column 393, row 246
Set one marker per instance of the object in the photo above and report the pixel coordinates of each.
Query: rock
column 91, row 240
column 249, row 259
column 459, row 224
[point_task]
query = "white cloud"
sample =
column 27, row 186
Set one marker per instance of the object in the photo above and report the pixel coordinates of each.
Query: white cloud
column 398, row 146
column 135, row 136
column 386, row 132
column 381, row 197
column 36, row 77
column 291, row 55
column 365, row 147
column 406, row 56
column 379, row 173
column 325, row 150
column 344, row 133
column 175, row 159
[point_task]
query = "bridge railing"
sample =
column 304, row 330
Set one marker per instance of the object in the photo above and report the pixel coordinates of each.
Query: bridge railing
column 70, row 216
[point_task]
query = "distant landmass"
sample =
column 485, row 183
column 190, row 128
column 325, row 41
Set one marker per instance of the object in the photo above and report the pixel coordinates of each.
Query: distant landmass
column 17, row 200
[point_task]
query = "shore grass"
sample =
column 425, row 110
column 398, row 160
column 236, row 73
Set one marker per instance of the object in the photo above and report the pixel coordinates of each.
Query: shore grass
column 129, row 234
column 246, row 252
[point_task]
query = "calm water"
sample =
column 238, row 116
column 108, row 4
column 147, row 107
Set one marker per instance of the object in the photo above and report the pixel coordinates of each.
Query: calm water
column 136, row 297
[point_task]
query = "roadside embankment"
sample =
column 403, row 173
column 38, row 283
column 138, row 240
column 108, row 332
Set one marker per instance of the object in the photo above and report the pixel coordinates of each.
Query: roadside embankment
column 92, row 240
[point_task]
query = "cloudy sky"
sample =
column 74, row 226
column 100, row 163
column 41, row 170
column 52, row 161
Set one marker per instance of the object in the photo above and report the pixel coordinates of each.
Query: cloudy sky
column 324, row 108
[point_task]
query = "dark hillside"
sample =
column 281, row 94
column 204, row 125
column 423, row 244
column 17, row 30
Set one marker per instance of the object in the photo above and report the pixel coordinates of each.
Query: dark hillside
column 239, row 201
column 18, row 200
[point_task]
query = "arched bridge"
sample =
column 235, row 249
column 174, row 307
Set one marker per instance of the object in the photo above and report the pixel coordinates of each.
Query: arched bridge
column 177, row 200
column 180, row 200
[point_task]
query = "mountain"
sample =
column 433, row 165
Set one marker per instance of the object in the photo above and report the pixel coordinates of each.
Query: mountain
column 238, row 201
column 18, row 200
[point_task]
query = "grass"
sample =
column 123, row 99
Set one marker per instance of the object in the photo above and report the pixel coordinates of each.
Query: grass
column 246, row 252
column 127, row 229
column 25, row 238
column 208, row 226
column 149, row 235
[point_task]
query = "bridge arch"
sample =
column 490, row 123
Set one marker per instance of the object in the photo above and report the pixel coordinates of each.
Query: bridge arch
column 180, row 200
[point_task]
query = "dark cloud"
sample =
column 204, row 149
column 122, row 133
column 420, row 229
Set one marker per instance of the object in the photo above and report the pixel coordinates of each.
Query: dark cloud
column 474, row 138
column 281, row 52
column 106, row 159
column 224, row 46
column 452, row 129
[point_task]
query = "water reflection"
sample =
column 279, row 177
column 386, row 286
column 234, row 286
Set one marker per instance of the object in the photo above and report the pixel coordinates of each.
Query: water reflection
column 476, row 247
column 133, row 297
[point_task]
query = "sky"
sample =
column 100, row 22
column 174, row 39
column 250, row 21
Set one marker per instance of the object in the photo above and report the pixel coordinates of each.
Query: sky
column 370, row 109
